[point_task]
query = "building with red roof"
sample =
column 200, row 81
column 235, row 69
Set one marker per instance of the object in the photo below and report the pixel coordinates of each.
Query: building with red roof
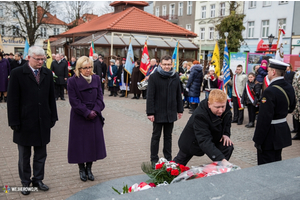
column 111, row 34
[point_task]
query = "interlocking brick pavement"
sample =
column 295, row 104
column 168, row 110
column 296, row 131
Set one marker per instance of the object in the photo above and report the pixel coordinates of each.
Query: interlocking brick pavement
column 127, row 133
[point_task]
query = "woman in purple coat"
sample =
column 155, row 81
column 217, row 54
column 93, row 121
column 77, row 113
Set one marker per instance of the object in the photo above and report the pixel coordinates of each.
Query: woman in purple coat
column 4, row 73
column 86, row 140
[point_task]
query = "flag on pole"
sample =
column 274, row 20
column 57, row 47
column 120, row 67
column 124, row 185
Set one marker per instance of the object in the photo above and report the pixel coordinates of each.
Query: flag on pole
column 279, row 51
column 49, row 56
column 91, row 52
column 226, row 68
column 145, row 61
column 1, row 45
column 175, row 57
column 129, row 60
column 215, row 60
column 26, row 49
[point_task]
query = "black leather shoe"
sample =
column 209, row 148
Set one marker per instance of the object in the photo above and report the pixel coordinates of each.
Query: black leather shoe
column 234, row 121
column 25, row 185
column 250, row 125
column 89, row 172
column 296, row 137
column 239, row 123
column 294, row 131
column 40, row 185
column 133, row 98
column 63, row 99
column 144, row 97
column 82, row 175
column 247, row 125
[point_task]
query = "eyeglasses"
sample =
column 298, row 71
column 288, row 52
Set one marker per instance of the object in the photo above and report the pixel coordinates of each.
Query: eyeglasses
column 38, row 59
column 166, row 64
column 85, row 68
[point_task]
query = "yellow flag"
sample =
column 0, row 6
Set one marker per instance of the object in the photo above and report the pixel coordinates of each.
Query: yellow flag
column 1, row 45
column 49, row 56
column 216, row 59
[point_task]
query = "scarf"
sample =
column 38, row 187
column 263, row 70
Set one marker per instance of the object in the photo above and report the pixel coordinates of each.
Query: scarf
column 164, row 73
column 87, row 78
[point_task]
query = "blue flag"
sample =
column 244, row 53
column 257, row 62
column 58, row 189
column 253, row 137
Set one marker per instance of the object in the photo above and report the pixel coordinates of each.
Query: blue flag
column 129, row 60
column 175, row 58
column 26, row 49
column 226, row 68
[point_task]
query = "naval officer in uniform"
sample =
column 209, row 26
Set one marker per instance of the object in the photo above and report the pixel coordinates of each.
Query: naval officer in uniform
column 272, row 132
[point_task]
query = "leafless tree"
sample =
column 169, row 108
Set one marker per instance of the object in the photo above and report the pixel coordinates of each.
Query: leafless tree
column 103, row 7
column 28, row 21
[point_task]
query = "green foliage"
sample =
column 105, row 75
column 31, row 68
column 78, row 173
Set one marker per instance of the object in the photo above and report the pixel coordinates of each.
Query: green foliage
column 233, row 24
column 125, row 189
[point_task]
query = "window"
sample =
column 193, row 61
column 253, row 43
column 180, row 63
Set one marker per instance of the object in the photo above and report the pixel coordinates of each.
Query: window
column 164, row 10
column 56, row 31
column 1, row 12
column 283, row 2
column 250, row 29
column 43, row 32
column 172, row 11
column 211, row 33
column 15, row 13
column 189, row 7
column 222, row 13
column 157, row 11
column 180, row 9
column 2, row 29
column 212, row 10
column 203, row 12
column 252, row 4
column 189, row 27
column 15, row 30
column 281, row 24
column 202, row 33
column 265, row 28
column 266, row 3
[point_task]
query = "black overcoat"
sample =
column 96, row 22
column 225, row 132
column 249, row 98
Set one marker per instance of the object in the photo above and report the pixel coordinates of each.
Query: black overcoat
column 274, row 105
column 15, row 64
column 164, row 99
column 289, row 77
column 255, row 88
column 31, row 106
column 136, row 76
column 203, row 130
column 61, row 71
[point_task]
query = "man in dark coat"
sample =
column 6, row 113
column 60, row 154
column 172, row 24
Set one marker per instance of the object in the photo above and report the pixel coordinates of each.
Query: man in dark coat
column 97, row 64
column 122, row 78
column 101, row 71
column 289, row 75
column 164, row 106
column 60, row 69
column 272, row 132
column 207, row 131
column 112, row 78
column 18, row 61
column 31, row 109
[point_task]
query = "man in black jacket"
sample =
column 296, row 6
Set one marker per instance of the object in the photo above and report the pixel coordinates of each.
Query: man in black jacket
column 207, row 131
column 17, row 62
column 31, row 110
column 122, row 78
column 164, row 106
column 101, row 71
column 60, row 68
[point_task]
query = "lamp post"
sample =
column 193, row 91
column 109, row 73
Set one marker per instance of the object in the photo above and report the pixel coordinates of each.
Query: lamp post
column 226, row 35
column 271, row 38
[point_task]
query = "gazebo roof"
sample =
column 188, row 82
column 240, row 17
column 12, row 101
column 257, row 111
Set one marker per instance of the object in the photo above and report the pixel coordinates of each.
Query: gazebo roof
column 132, row 20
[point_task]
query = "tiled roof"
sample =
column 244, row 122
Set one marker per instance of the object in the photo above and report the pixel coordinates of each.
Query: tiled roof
column 85, row 18
column 138, row 3
column 131, row 20
column 50, row 19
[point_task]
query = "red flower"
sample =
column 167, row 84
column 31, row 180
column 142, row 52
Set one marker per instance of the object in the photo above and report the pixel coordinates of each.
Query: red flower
column 129, row 189
column 187, row 168
column 182, row 168
column 200, row 175
column 169, row 169
column 152, row 185
column 174, row 172
column 142, row 184
column 159, row 166
column 172, row 161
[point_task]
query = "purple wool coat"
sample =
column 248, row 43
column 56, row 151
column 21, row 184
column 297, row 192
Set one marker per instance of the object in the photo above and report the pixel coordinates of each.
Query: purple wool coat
column 86, row 140
column 4, row 73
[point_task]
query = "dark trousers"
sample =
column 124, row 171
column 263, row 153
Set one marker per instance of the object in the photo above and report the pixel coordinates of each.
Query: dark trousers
column 102, row 86
column 295, row 124
column 167, row 150
column 39, row 158
column 184, row 158
column 265, row 157
column 59, row 91
column 144, row 93
column 238, row 115
column 251, row 112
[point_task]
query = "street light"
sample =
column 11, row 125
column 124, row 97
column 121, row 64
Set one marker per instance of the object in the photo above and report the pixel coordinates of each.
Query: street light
column 226, row 35
column 271, row 38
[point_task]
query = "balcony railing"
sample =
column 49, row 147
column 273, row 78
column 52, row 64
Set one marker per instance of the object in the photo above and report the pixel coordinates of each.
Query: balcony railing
column 169, row 17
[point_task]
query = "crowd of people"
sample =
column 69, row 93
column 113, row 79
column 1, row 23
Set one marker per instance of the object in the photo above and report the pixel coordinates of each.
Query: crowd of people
column 31, row 91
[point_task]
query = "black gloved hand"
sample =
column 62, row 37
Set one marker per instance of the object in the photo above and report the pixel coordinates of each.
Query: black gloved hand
column 52, row 123
column 258, row 147
column 16, row 128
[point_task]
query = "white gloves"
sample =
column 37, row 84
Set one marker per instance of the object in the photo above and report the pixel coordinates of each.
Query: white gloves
column 109, row 78
column 187, row 89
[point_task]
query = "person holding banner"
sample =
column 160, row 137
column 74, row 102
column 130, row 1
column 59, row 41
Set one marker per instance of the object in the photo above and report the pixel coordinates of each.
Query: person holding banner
column 112, row 78
column 239, row 83
column 250, row 98
column 272, row 132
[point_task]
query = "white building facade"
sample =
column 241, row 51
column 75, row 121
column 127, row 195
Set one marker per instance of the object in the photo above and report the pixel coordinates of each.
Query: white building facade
column 264, row 18
column 208, row 15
